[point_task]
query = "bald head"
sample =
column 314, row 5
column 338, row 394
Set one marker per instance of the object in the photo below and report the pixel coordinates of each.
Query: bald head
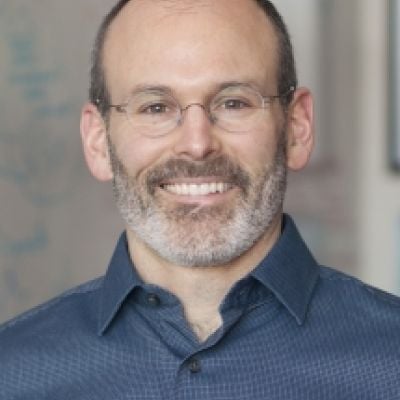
column 285, row 65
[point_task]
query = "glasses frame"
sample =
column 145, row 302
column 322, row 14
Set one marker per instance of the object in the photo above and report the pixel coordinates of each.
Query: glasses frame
column 265, row 100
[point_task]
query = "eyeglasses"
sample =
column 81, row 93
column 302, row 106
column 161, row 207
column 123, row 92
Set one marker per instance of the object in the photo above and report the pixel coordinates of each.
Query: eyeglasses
column 235, row 109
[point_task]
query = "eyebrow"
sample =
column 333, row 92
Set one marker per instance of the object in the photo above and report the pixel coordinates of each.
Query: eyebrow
column 150, row 88
column 245, row 83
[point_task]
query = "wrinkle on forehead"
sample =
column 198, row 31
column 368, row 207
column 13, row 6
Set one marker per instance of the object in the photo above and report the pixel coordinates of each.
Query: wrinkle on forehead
column 181, row 6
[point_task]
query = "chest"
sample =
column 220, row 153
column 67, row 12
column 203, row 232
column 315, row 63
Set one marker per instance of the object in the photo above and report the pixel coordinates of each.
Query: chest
column 260, row 354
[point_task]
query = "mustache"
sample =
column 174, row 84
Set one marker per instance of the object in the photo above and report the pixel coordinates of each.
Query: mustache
column 221, row 167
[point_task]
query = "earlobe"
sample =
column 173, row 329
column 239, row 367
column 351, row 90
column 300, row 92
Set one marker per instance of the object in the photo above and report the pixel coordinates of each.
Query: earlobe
column 94, row 142
column 300, row 129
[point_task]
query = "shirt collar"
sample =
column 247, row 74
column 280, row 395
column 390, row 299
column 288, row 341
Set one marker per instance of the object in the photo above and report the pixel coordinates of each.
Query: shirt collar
column 289, row 271
column 120, row 280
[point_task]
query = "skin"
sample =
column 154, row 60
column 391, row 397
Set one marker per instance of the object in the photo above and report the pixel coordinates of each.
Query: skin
column 192, row 49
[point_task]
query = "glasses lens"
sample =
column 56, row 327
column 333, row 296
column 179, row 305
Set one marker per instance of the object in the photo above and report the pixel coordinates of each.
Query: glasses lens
column 237, row 108
column 153, row 113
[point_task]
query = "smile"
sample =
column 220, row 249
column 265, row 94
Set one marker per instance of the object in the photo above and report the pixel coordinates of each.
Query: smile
column 194, row 189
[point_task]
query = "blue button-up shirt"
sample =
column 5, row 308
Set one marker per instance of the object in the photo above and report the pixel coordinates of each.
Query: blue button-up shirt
column 291, row 330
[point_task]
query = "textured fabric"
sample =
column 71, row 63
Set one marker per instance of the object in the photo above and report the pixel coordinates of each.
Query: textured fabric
column 292, row 330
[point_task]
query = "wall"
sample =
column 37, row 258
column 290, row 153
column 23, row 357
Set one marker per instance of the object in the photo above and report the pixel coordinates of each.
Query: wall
column 58, row 225
column 379, row 187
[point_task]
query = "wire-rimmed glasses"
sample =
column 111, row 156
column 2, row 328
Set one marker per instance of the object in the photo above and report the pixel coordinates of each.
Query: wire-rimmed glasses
column 237, row 108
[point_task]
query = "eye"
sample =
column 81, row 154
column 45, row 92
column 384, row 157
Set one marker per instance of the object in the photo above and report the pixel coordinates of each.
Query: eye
column 235, row 104
column 155, row 108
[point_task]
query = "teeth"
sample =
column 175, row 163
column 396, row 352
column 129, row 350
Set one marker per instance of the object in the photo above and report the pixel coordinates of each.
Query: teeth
column 193, row 189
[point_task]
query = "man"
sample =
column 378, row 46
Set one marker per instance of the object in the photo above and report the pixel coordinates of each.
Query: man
column 211, row 293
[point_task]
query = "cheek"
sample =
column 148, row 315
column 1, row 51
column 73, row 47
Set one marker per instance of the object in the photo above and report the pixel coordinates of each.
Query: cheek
column 254, row 151
column 137, row 153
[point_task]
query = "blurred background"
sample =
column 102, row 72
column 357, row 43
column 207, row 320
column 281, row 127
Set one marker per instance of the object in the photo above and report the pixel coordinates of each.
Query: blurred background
column 58, row 226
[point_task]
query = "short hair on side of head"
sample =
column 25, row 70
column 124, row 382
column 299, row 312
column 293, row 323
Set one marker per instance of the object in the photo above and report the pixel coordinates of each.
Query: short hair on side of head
column 98, row 91
column 287, row 75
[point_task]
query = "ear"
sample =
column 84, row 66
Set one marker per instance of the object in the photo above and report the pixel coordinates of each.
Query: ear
column 94, row 141
column 300, row 129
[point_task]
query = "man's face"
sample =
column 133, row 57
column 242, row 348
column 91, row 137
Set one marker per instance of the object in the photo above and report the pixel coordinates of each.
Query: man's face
column 198, row 196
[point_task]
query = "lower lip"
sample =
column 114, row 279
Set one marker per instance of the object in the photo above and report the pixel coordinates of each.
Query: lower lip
column 208, row 199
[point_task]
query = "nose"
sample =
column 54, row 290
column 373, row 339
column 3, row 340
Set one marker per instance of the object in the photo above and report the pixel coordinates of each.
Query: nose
column 197, row 139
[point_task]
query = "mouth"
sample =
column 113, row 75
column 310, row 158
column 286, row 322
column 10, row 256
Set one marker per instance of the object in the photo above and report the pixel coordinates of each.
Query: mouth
column 197, row 189
column 205, row 183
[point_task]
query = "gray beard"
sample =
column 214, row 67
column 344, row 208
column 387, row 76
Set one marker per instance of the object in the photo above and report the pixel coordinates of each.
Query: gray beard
column 196, row 236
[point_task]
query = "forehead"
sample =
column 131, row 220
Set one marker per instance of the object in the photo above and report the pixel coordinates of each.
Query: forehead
column 181, row 43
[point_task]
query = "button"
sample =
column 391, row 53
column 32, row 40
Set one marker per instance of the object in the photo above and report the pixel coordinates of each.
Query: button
column 153, row 300
column 194, row 365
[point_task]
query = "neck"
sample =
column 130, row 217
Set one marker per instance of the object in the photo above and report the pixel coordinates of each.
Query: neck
column 200, row 289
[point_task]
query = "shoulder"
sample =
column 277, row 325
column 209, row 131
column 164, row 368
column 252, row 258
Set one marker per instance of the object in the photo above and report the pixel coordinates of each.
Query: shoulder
column 350, row 297
column 39, row 347
column 76, row 307
column 349, row 283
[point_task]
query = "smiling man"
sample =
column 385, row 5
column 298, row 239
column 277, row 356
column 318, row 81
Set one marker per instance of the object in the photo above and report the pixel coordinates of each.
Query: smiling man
column 195, row 115
column 197, row 133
